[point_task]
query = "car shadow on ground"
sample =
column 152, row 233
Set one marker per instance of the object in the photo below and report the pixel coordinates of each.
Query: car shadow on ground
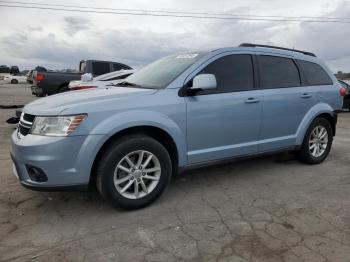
column 234, row 172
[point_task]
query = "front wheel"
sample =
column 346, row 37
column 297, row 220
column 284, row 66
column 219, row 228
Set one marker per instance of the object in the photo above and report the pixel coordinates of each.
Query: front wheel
column 134, row 171
column 317, row 142
column 14, row 81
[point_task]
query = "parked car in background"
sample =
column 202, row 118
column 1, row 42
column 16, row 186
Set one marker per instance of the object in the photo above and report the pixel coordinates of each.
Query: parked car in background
column 14, row 70
column 101, row 81
column 182, row 111
column 30, row 75
column 15, row 79
column 49, row 83
column 346, row 100
column 24, row 72
column 4, row 71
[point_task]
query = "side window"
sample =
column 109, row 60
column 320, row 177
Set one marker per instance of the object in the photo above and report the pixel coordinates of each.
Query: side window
column 278, row 72
column 232, row 72
column 100, row 68
column 314, row 74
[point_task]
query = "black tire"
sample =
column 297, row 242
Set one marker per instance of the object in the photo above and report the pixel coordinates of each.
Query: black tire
column 304, row 153
column 63, row 89
column 14, row 81
column 115, row 153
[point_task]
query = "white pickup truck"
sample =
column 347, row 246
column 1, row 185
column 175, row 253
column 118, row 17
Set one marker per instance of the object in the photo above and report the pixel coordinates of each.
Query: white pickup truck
column 87, row 81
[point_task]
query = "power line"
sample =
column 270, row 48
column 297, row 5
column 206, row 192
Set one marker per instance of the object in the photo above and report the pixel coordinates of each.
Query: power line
column 178, row 12
column 178, row 16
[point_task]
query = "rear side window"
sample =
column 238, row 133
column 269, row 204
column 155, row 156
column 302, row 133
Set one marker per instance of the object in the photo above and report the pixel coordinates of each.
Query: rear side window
column 100, row 68
column 232, row 72
column 314, row 74
column 278, row 72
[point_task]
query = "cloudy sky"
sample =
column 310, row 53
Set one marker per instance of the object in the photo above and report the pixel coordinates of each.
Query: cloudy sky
column 60, row 39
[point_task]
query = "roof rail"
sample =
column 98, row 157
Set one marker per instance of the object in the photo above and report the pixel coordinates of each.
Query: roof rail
column 277, row 47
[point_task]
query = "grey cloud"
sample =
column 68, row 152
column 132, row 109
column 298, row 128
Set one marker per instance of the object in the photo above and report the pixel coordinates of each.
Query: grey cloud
column 73, row 25
column 137, row 47
column 330, row 41
column 15, row 41
column 34, row 28
column 47, row 51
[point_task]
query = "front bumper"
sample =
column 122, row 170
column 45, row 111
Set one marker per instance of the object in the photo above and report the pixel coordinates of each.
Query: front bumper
column 66, row 161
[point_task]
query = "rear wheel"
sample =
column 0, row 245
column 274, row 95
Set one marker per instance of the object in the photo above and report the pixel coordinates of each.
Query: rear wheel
column 317, row 142
column 133, row 171
column 14, row 81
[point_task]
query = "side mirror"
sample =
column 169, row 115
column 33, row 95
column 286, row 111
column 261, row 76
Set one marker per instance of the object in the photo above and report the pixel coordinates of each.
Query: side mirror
column 204, row 82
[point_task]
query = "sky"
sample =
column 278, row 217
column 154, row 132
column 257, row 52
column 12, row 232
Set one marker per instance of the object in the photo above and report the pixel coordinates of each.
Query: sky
column 60, row 39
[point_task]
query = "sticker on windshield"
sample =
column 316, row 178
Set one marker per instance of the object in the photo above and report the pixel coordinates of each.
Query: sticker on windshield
column 187, row 56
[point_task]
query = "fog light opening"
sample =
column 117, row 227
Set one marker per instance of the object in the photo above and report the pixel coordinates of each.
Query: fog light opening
column 36, row 174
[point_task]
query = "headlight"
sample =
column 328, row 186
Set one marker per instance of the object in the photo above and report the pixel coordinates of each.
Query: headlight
column 56, row 125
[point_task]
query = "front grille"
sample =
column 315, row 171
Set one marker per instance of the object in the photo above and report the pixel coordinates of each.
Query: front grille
column 25, row 124
column 23, row 130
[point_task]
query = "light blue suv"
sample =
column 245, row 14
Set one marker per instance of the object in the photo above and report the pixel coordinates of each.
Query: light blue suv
column 181, row 111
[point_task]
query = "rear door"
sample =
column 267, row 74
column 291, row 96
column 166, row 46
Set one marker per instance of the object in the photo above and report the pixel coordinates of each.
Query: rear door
column 225, row 122
column 316, row 78
column 286, row 101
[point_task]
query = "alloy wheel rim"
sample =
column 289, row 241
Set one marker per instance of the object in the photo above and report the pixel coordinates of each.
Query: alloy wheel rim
column 318, row 141
column 137, row 174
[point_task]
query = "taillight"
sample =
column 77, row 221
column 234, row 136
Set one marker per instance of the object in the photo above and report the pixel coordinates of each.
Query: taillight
column 342, row 91
column 83, row 87
column 39, row 77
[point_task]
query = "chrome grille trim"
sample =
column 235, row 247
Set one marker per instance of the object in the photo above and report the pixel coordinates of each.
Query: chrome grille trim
column 24, row 126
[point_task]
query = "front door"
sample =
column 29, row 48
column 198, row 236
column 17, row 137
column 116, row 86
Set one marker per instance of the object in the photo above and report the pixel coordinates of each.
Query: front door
column 225, row 122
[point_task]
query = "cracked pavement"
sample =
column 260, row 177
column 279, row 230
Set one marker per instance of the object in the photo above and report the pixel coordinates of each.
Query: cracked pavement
column 266, row 209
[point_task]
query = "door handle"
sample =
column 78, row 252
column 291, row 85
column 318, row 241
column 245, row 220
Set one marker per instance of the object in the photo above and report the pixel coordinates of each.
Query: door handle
column 252, row 100
column 306, row 95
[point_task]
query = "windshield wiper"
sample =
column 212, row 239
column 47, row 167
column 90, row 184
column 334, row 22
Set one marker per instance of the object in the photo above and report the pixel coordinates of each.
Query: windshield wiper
column 129, row 84
column 126, row 83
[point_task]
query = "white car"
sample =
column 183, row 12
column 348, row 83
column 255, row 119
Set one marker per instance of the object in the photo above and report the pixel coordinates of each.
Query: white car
column 111, row 78
column 15, row 79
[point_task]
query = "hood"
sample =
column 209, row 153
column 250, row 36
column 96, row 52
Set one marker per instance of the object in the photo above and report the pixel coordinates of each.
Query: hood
column 54, row 105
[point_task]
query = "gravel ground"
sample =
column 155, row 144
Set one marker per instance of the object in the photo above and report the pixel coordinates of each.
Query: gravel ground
column 266, row 209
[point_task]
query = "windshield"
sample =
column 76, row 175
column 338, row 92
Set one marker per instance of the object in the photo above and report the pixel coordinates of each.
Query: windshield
column 163, row 71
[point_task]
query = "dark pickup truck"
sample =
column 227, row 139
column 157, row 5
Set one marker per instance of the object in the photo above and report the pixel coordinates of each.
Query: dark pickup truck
column 49, row 83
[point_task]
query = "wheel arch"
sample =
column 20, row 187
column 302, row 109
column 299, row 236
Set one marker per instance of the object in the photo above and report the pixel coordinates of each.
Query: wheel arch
column 319, row 110
column 157, row 133
column 331, row 119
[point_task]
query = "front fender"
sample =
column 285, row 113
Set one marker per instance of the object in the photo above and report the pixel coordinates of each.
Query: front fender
column 316, row 110
column 120, row 121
